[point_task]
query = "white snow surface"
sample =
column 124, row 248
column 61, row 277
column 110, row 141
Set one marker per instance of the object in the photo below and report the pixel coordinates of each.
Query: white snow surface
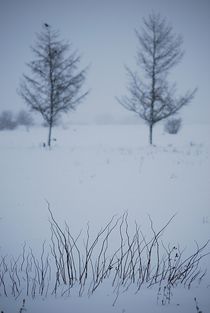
column 90, row 174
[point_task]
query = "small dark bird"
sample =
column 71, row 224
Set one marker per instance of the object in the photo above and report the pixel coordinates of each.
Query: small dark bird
column 46, row 25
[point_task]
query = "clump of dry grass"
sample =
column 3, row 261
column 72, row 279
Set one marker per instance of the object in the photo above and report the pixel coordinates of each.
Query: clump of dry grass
column 84, row 263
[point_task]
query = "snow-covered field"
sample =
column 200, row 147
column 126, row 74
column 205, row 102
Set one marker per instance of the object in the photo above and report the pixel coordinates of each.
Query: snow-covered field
column 92, row 173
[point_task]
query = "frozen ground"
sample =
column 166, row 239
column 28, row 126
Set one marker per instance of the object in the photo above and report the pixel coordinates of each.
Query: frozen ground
column 94, row 172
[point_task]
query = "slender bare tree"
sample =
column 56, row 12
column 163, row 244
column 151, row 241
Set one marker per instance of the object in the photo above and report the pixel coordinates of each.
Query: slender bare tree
column 54, row 86
column 151, row 96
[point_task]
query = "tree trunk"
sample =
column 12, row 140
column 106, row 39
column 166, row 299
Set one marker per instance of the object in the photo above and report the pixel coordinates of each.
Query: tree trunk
column 49, row 135
column 150, row 133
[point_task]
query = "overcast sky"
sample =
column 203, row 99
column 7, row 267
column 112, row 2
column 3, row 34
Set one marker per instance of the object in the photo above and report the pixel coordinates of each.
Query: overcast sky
column 103, row 32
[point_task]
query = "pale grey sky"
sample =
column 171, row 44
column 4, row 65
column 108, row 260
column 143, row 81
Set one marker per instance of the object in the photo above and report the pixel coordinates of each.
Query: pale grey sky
column 103, row 32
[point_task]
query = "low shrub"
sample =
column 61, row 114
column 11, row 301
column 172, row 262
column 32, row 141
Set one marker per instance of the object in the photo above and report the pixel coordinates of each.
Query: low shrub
column 173, row 125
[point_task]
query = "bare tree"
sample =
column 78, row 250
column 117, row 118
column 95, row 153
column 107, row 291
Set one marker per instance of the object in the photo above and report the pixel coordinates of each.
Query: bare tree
column 55, row 84
column 151, row 96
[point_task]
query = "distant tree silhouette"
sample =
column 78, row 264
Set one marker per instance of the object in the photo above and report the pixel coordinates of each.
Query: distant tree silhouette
column 24, row 118
column 55, row 84
column 7, row 121
column 151, row 96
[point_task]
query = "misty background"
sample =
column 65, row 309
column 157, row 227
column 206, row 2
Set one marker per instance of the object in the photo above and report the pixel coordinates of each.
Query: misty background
column 103, row 33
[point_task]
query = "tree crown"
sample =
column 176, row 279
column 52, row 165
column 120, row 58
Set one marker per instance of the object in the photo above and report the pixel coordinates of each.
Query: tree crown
column 55, row 82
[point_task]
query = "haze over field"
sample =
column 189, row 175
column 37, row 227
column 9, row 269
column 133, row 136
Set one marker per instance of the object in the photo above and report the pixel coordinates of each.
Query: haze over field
column 92, row 217
column 103, row 32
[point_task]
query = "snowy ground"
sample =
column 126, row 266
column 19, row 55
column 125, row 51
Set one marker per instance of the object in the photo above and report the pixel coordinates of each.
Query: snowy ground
column 94, row 172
